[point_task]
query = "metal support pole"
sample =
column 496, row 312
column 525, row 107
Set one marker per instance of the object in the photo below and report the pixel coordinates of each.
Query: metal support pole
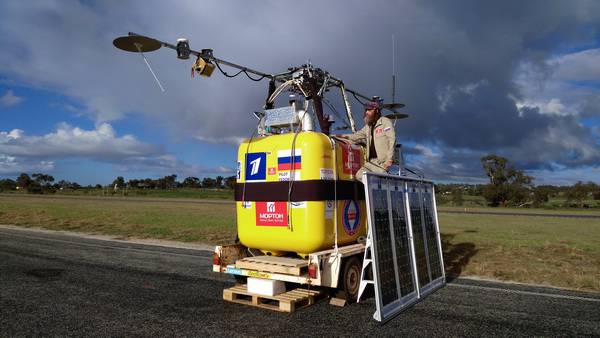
column 348, row 107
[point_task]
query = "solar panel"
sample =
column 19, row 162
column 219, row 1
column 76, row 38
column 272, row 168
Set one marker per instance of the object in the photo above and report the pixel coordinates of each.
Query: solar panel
column 385, row 261
column 403, row 241
column 431, row 235
column 416, row 218
column 401, row 236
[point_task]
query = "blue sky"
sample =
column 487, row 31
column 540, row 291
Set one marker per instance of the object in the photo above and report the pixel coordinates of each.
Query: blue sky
column 518, row 80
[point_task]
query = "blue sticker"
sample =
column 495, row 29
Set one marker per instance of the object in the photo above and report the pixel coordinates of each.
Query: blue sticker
column 233, row 271
column 256, row 166
column 351, row 217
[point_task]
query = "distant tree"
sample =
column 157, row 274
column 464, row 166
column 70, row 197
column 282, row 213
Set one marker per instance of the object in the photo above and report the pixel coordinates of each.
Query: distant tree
column 541, row 195
column 191, row 182
column 508, row 186
column 170, row 182
column 133, row 183
column 594, row 189
column 7, row 184
column 495, row 168
column 219, row 181
column 208, row 182
column 457, row 196
column 23, row 181
column 578, row 193
column 98, row 186
column 119, row 182
column 230, row 182
column 43, row 179
column 62, row 184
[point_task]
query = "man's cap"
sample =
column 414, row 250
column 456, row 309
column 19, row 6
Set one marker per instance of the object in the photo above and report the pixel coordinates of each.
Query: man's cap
column 373, row 105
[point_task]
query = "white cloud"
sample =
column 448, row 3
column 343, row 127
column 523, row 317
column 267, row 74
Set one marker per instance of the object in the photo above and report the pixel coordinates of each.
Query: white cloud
column 12, row 165
column 579, row 66
column 446, row 95
column 552, row 107
column 9, row 99
column 68, row 141
column 21, row 152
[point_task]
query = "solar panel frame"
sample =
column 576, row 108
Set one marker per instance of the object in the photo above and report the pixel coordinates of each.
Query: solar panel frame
column 373, row 182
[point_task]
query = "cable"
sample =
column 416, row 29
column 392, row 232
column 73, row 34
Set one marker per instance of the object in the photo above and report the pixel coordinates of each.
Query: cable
column 335, row 179
column 335, row 112
column 279, row 89
column 357, row 99
column 292, row 175
column 238, row 73
column 245, row 160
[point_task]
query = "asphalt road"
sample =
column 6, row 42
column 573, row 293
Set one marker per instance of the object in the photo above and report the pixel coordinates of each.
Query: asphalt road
column 61, row 285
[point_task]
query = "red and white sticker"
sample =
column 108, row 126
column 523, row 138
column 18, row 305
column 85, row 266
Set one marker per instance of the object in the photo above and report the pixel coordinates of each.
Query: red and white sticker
column 351, row 158
column 272, row 171
column 271, row 214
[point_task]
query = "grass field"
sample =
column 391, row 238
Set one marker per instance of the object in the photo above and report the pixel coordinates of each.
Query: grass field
column 151, row 218
column 562, row 252
column 222, row 194
column 558, row 202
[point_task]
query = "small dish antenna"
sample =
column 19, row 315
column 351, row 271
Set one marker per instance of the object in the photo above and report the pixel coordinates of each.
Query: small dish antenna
column 140, row 44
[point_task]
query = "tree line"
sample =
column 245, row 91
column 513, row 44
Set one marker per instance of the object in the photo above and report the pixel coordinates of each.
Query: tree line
column 508, row 186
column 44, row 183
column 511, row 187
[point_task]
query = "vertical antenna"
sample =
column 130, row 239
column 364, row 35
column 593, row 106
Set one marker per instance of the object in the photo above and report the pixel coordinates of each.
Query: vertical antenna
column 393, row 68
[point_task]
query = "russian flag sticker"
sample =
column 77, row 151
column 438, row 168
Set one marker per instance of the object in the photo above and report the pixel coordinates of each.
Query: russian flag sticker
column 285, row 161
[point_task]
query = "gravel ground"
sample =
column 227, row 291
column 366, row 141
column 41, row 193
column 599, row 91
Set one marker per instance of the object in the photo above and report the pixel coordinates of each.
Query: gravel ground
column 55, row 284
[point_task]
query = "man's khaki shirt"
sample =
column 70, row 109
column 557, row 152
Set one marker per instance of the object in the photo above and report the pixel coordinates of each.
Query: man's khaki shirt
column 384, row 137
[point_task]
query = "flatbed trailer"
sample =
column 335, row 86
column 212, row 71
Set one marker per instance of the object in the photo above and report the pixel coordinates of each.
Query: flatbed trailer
column 337, row 269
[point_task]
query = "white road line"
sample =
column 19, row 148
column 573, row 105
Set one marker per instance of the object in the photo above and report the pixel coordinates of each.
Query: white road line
column 529, row 293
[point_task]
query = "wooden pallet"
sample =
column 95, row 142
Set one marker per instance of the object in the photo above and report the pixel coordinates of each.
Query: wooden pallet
column 289, row 301
column 286, row 265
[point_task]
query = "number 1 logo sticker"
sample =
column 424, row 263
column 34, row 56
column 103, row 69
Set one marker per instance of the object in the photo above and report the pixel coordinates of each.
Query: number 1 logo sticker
column 256, row 166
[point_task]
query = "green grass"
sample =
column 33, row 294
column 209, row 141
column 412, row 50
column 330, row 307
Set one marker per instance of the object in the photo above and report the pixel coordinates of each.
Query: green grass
column 135, row 218
column 544, row 250
column 562, row 211
column 562, row 252
column 556, row 203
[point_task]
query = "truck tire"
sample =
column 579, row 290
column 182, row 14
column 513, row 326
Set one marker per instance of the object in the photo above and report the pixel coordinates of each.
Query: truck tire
column 350, row 278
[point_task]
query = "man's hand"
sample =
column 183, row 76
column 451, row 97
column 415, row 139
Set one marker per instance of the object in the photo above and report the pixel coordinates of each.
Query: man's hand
column 387, row 164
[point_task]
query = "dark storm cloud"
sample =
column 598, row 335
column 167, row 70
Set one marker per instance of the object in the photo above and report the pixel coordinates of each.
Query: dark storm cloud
column 456, row 63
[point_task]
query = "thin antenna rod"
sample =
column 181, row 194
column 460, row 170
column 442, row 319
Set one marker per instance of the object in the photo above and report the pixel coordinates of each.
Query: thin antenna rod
column 137, row 45
column 393, row 68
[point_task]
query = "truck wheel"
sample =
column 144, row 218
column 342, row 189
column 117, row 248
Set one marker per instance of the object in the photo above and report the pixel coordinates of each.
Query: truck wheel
column 351, row 278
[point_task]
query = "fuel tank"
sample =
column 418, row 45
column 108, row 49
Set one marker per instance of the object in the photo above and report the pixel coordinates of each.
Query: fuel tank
column 288, row 198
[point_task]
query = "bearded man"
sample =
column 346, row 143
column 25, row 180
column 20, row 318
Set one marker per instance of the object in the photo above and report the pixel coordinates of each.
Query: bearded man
column 378, row 137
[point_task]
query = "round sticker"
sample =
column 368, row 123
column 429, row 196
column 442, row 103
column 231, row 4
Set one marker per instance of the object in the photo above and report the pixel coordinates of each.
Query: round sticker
column 351, row 217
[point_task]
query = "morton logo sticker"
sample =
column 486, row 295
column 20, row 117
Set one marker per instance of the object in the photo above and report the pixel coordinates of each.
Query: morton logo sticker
column 351, row 217
column 271, row 214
